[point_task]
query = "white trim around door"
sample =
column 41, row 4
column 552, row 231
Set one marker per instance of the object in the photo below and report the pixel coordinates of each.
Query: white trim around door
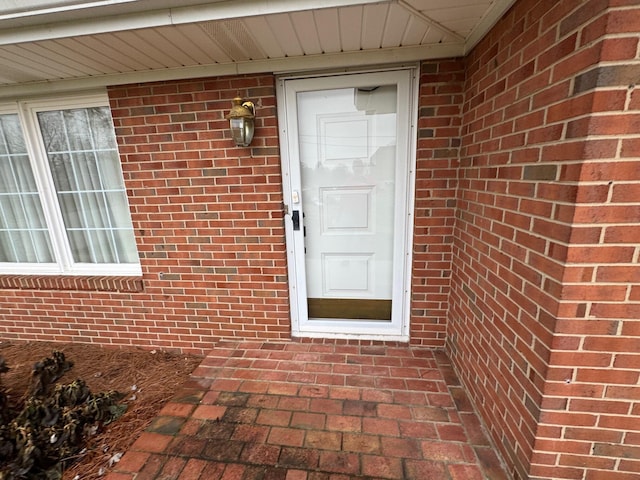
column 348, row 144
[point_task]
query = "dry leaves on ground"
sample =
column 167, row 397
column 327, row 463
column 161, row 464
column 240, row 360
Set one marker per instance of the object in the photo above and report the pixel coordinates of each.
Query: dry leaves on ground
column 147, row 378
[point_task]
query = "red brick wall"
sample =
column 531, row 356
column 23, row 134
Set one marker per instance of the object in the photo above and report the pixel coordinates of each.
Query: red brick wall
column 545, row 303
column 439, row 111
column 590, row 423
column 528, row 188
column 208, row 214
column 208, row 221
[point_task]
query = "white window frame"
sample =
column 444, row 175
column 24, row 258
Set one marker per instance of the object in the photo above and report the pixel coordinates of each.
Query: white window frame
column 65, row 265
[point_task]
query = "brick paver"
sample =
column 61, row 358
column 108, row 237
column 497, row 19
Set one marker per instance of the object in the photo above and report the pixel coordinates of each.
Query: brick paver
column 315, row 410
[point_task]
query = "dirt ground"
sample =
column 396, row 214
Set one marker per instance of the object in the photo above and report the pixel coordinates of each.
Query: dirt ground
column 148, row 378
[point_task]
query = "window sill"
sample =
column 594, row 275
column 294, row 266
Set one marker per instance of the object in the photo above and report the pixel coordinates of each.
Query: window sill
column 68, row 282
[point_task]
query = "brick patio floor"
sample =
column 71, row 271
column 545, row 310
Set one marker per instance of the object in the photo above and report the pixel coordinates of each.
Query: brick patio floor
column 315, row 411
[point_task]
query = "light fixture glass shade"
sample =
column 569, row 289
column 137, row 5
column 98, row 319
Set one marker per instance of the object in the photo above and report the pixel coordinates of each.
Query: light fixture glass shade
column 241, row 122
column 241, row 131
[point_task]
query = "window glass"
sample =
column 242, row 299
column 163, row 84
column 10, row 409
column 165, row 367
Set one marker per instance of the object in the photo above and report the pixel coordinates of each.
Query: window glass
column 81, row 151
column 63, row 204
column 24, row 237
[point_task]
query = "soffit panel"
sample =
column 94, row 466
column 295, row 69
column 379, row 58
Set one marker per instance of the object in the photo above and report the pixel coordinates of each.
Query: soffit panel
column 268, row 40
column 304, row 24
column 161, row 41
column 281, row 26
column 374, row 20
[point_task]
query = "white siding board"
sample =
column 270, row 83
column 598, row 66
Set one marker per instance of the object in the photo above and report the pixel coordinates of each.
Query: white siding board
column 34, row 66
column 125, row 45
column 182, row 37
column 373, row 22
column 26, row 72
column 453, row 13
column 305, row 27
column 44, row 57
column 328, row 30
column 242, row 37
column 106, row 49
column 133, row 44
column 459, row 19
column 396, row 23
column 283, row 29
column 350, row 27
column 64, row 58
column 144, row 42
column 434, row 35
column 415, row 32
column 462, row 26
column 90, row 56
column 431, row 5
column 159, row 38
column 268, row 41
column 200, row 36
column 9, row 76
column 220, row 33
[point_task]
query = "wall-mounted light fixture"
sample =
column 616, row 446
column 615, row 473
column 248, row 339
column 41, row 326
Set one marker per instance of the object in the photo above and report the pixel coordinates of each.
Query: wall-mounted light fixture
column 241, row 123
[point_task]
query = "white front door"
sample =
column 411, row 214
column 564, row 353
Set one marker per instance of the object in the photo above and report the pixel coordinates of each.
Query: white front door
column 346, row 143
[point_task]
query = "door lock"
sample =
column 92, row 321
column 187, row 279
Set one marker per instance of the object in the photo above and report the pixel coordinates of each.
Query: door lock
column 295, row 219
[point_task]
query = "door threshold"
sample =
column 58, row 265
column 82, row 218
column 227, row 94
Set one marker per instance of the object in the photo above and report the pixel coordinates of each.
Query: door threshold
column 351, row 336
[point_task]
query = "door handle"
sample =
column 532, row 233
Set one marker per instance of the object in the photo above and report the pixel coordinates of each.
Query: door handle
column 295, row 219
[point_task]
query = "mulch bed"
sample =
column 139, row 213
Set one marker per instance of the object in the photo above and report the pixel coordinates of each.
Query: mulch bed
column 148, row 378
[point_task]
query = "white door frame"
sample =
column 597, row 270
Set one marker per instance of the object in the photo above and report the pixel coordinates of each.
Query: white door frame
column 398, row 328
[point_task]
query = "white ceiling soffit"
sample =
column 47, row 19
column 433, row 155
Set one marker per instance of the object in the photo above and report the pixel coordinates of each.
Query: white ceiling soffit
column 60, row 45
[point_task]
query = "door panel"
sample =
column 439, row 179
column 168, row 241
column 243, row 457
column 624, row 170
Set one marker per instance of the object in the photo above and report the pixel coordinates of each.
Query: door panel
column 347, row 157
column 347, row 160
